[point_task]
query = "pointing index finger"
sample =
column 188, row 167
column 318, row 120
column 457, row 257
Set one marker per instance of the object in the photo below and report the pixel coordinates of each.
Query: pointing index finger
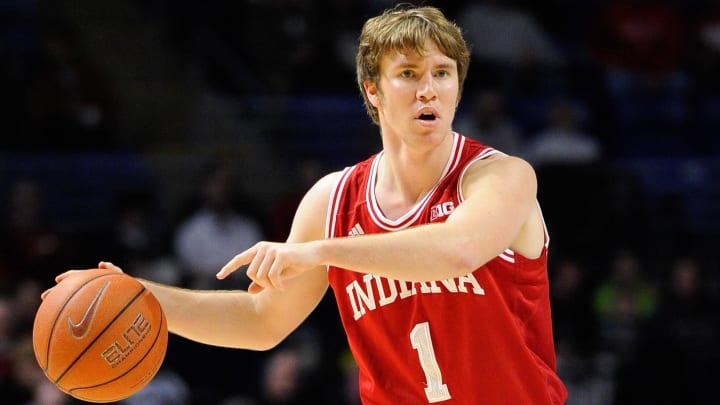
column 235, row 263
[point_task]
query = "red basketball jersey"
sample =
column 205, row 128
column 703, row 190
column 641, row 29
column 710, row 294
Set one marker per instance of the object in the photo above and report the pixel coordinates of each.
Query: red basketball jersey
column 484, row 338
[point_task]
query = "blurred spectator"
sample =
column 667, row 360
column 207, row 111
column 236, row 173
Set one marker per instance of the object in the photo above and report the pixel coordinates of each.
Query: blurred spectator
column 350, row 393
column 31, row 244
column 563, row 141
column 166, row 388
column 137, row 229
column 687, row 305
column 508, row 44
column 293, row 373
column 216, row 230
column 141, row 239
column 19, row 387
column 623, row 302
column 488, row 122
column 6, row 338
column 282, row 378
column 587, row 379
column 641, row 43
column 46, row 393
column 571, row 297
column 283, row 381
column 26, row 301
column 685, row 335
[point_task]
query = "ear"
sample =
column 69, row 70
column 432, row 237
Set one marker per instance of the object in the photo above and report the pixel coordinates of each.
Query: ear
column 372, row 93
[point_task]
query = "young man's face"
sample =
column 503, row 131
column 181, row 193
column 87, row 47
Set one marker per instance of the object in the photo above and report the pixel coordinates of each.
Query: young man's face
column 417, row 93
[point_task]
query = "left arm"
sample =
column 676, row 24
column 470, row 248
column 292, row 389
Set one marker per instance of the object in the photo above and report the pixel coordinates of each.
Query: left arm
column 500, row 195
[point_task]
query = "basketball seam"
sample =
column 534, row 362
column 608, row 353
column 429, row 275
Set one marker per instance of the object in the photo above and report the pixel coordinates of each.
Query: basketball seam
column 157, row 336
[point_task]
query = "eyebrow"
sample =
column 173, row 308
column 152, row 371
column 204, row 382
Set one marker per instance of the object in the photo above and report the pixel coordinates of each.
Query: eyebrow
column 439, row 66
column 447, row 65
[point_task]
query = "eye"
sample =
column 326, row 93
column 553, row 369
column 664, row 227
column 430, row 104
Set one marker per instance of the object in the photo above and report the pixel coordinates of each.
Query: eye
column 407, row 73
column 442, row 73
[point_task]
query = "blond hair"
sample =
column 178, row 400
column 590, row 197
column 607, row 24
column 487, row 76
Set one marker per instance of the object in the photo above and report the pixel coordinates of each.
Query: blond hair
column 407, row 28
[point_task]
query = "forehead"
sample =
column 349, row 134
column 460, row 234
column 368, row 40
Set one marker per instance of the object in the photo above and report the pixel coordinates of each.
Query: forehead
column 429, row 53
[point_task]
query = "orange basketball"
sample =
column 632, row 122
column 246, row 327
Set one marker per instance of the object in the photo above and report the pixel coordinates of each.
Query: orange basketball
column 100, row 335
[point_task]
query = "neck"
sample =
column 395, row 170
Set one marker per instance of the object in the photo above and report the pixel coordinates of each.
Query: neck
column 406, row 175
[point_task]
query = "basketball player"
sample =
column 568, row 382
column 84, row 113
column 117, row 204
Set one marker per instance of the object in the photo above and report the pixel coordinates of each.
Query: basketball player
column 435, row 247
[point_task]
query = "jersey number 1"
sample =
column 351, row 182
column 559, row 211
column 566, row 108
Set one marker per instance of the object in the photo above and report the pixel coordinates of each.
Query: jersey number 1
column 435, row 391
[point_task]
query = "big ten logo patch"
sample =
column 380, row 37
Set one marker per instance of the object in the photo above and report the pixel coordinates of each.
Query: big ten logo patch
column 121, row 348
column 441, row 210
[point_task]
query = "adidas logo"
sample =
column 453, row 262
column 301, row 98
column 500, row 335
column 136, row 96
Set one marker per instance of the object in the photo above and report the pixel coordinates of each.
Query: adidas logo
column 356, row 230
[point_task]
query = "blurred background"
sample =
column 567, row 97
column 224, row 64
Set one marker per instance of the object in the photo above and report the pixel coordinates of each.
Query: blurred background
column 166, row 136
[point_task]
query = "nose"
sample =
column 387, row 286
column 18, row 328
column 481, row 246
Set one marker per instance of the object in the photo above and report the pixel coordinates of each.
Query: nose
column 426, row 87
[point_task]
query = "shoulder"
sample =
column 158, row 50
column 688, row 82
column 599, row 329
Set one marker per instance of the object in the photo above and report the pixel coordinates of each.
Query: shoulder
column 501, row 168
column 509, row 178
column 323, row 188
column 311, row 214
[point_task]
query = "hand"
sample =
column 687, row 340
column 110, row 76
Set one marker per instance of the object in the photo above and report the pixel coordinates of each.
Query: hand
column 62, row 276
column 271, row 264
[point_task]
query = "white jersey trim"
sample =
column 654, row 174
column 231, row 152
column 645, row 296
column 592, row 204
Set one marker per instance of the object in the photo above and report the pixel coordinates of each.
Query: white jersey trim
column 414, row 213
column 334, row 203
column 482, row 155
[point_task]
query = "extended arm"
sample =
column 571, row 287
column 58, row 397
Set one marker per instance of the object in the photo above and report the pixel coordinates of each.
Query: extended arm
column 240, row 319
column 500, row 196
column 499, row 207
column 261, row 320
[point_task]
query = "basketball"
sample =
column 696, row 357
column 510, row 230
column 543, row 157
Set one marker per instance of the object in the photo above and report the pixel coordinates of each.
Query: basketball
column 100, row 335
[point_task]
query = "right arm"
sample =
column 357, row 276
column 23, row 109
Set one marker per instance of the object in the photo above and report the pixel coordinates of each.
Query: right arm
column 259, row 320
column 239, row 319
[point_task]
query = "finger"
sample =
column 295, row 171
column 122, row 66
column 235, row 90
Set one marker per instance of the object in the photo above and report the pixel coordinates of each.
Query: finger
column 255, row 288
column 262, row 269
column 275, row 274
column 254, row 270
column 236, row 262
column 69, row 273
column 62, row 276
column 109, row 266
column 45, row 293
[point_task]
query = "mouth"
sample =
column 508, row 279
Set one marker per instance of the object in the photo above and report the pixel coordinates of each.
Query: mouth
column 427, row 115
